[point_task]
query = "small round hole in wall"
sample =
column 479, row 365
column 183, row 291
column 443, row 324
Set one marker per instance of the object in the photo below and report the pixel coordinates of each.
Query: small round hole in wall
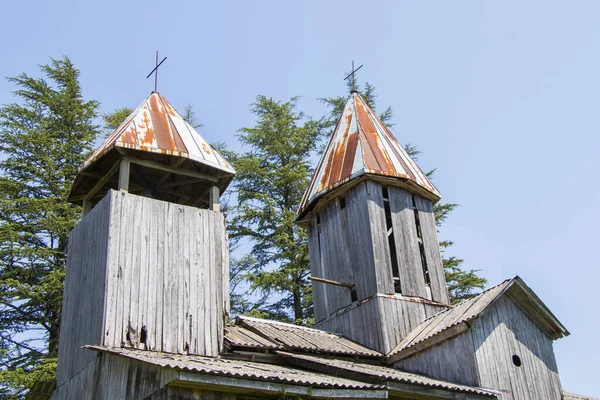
column 517, row 360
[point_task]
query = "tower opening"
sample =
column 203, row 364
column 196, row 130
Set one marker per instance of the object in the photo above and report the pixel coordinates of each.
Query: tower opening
column 421, row 247
column 391, row 240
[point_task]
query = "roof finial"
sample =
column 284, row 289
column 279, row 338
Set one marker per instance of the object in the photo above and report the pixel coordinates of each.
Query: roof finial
column 155, row 70
column 351, row 74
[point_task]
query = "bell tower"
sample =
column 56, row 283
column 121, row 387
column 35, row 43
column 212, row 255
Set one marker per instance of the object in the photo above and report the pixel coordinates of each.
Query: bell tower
column 147, row 265
column 374, row 253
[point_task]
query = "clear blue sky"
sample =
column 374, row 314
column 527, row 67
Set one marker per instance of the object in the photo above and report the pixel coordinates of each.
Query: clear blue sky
column 503, row 98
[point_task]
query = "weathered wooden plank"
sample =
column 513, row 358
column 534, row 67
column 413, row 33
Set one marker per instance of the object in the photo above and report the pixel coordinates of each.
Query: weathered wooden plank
column 453, row 361
column 173, row 170
column 124, row 171
column 503, row 331
column 335, row 260
column 439, row 291
column 130, row 269
column 83, row 300
column 381, row 249
column 359, row 233
column 407, row 243
column 314, row 251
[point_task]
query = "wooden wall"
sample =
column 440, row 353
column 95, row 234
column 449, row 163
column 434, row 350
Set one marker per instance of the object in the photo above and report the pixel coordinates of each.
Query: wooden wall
column 503, row 331
column 368, row 244
column 351, row 246
column 452, row 361
column 84, row 290
column 381, row 322
column 330, row 259
column 111, row 377
column 431, row 244
column 144, row 273
column 483, row 355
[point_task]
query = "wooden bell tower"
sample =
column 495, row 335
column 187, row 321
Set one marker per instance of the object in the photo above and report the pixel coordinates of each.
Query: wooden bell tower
column 375, row 260
column 147, row 266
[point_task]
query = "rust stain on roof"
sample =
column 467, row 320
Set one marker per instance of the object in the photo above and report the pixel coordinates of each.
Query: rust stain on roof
column 361, row 144
column 156, row 127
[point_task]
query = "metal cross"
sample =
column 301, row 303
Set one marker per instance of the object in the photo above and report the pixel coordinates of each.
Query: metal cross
column 351, row 74
column 155, row 70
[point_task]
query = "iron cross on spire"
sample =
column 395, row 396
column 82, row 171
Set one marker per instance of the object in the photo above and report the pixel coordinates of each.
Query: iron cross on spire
column 351, row 74
column 155, row 70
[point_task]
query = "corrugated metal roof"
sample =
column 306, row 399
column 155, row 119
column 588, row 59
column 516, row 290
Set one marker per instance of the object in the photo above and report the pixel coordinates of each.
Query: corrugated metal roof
column 295, row 337
column 237, row 368
column 238, row 336
column 386, row 374
column 471, row 309
column 156, row 127
column 361, row 144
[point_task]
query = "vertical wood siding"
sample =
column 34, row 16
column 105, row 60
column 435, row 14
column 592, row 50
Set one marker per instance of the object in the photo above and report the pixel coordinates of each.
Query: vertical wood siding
column 84, row 292
column 407, row 245
column 381, row 322
column 381, row 247
column 359, row 234
column 452, row 361
column 504, row 331
column 431, row 245
column 140, row 269
column 335, row 257
column 314, row 253
column 166, row 274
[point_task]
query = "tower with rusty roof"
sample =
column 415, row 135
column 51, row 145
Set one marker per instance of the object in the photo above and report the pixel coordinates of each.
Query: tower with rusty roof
column 374, row 253
column 148, row 263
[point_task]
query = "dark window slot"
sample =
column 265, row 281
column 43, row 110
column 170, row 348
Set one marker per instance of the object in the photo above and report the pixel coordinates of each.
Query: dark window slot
column 391, row 241
column 421, row 247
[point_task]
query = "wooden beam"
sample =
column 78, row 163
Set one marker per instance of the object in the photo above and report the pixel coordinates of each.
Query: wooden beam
column 124, row 169
column 100, row 183
column 331, row 282
column 166, row 168
column 228, row 384
column 174, row 193
column 180, row 182
column 176, row 165
column 213, row 199
column 86, row 207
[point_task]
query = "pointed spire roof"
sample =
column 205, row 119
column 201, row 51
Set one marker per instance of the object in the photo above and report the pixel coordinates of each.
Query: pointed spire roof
column 362, row 145
column 155, row 126
column 156, row 132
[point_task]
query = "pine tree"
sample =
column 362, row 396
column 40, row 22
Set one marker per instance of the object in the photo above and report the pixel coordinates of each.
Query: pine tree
column 271, row 178
column 44, row 137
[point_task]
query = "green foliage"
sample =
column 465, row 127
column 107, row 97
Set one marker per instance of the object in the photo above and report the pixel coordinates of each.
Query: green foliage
column 336, row 107
column 113, row 119
column 43, row 140
column 271, row 178
column 189, row 115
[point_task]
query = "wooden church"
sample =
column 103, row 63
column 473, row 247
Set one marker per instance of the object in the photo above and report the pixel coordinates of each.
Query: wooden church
column 146, row 308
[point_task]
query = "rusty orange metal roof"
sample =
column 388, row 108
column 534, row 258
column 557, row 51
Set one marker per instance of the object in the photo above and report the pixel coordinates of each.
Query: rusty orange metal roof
column 361, row 144
column 156, row 127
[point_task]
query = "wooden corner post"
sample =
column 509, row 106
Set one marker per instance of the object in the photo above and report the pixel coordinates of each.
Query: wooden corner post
column 124, row 168
column 86, row 206
column 213, row 200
